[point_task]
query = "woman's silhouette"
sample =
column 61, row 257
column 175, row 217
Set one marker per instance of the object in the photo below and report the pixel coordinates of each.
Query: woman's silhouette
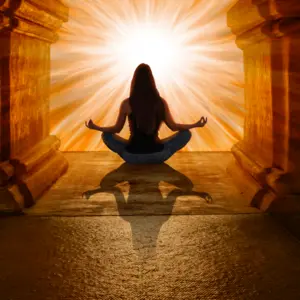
column 146, row 111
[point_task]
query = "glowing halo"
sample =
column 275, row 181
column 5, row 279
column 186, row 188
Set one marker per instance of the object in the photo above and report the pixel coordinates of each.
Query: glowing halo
column 148, row 43
column 196, row 64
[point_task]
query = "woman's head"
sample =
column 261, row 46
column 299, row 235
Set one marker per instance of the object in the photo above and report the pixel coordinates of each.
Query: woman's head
column 145, row 100
column 143, row 80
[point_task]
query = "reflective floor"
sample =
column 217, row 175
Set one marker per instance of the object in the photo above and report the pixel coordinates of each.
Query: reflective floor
column 112, row 231
column 99, row 183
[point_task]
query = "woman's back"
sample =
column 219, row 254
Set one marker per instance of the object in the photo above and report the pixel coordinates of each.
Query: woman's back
column 141, row 142
column 146, row 112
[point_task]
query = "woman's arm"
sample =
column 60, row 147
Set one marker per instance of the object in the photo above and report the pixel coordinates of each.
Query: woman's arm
column 176, row 126
column 119, row 123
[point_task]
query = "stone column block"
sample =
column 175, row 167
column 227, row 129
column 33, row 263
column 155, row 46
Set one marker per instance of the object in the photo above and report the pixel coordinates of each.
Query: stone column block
column 30, row 160
column 268, row 32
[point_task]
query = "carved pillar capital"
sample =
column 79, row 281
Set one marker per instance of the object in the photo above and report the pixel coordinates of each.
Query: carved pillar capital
column 39, row 19
column 255, row 20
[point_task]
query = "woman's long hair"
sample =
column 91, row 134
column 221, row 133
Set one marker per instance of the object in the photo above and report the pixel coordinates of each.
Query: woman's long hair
column 145, row 101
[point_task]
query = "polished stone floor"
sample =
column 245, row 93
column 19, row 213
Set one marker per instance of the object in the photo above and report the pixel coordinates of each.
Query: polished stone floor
column 236, row 257
column 185, row 233
column 99, row 183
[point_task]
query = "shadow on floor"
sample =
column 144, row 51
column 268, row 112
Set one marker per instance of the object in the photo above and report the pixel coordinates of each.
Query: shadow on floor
column 142, row 184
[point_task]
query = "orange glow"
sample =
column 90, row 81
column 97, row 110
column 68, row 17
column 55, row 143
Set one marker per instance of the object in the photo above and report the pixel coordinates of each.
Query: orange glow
column 197, row 66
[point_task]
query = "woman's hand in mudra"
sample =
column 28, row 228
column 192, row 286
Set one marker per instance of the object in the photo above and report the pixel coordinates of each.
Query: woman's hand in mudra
column 90, row 124
column 201, row 122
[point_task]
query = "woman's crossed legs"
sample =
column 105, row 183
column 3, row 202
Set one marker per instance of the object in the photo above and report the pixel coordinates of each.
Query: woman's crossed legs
column 172, row 144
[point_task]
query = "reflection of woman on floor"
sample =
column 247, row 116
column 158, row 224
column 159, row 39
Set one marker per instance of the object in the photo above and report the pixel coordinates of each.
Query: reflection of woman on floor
column 144, row 187
column 148, row 194
column 146, row 110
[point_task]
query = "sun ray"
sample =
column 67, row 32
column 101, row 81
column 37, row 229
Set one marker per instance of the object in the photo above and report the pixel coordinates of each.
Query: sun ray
column 197, row 66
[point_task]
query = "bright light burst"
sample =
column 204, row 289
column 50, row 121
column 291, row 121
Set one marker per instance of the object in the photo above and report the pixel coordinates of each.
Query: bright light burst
column 148, row 42
column 196, row 64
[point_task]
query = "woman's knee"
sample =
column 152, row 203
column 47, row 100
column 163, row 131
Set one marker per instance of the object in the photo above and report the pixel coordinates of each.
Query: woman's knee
column 106, row 136
column 186, row 135
column 108, row 140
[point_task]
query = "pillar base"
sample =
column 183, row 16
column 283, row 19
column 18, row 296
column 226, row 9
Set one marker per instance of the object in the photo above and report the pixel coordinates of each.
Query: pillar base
column 24, row 178
column 264, row 188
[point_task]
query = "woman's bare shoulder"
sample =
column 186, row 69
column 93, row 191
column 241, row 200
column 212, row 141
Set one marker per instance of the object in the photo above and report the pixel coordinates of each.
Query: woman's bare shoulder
column 165, row 104
column 164, row 101
column 125, row 106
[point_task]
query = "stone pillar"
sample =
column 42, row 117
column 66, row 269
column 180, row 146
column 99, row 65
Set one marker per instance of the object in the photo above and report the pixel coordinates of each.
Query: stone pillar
column 267, row 166
column 29, row 159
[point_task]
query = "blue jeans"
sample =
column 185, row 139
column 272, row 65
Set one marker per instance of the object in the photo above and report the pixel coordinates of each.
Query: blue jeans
column 171, row 145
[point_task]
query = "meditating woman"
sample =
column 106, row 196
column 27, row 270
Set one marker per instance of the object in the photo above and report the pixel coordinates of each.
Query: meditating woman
column 146, row 111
